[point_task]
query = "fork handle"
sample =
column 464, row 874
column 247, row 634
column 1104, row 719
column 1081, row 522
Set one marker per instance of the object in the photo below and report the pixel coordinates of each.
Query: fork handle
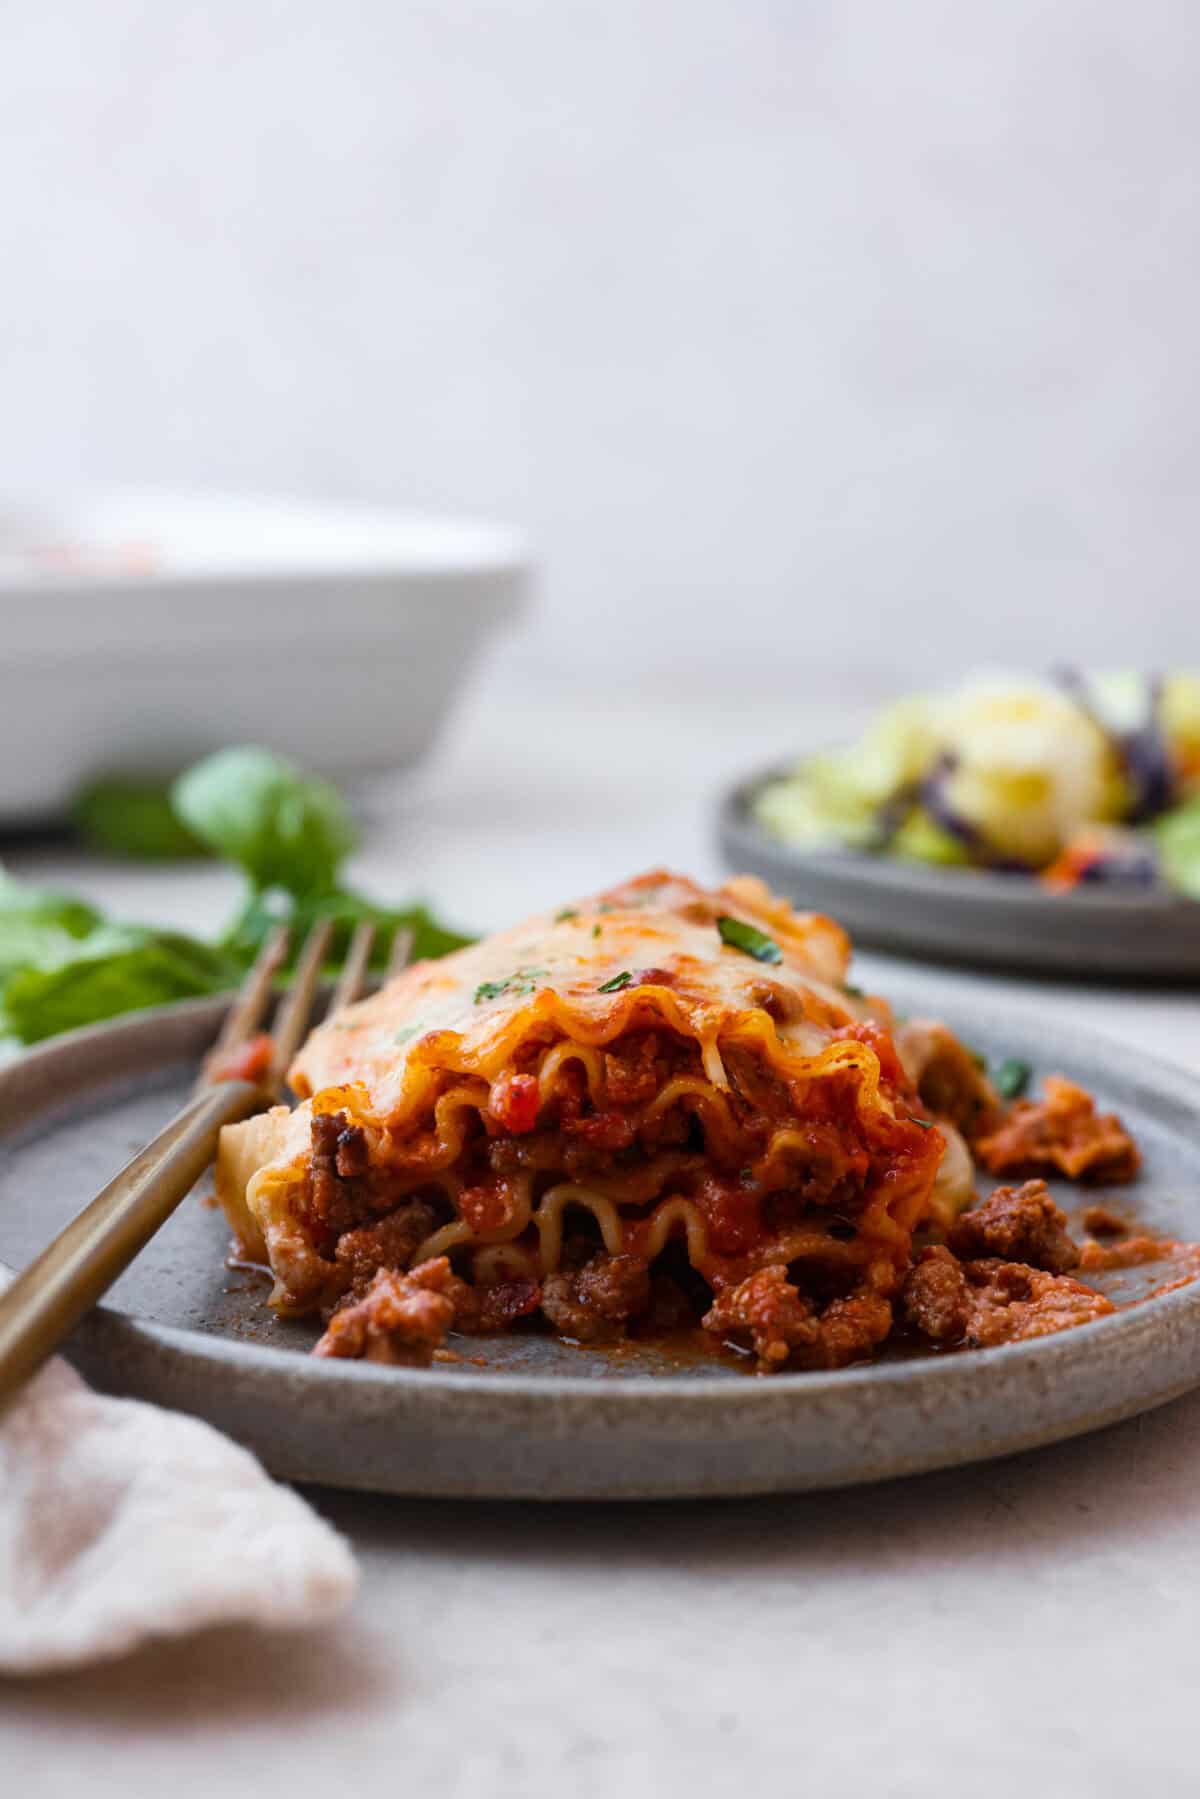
column 45, row 1303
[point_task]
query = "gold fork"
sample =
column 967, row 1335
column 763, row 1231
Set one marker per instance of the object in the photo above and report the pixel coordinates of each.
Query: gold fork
column 45, row 1303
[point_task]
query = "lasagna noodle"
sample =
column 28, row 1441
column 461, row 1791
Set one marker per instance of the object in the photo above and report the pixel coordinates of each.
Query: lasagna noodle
column 420, row 1069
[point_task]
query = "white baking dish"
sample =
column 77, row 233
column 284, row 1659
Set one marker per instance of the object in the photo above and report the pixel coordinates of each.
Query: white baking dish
column 139, row 631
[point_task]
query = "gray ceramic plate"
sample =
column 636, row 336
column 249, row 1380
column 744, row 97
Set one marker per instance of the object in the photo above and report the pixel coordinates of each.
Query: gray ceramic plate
column 968, row 915
column 541, row 1419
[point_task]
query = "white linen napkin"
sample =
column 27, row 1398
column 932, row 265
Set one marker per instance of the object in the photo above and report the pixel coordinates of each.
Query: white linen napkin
column 121, row 1522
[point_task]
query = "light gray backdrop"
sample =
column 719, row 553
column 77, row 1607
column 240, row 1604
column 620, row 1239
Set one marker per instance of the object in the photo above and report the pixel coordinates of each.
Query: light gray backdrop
column 806, row 337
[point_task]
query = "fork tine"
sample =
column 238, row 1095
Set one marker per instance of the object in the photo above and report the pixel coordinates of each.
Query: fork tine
column 294, row 1013
column 354, row 970
column 253, row 997
column 402, row 947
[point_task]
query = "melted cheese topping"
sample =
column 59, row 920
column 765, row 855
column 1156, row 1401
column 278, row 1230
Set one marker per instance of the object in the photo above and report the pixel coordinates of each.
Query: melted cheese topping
column 654, row 944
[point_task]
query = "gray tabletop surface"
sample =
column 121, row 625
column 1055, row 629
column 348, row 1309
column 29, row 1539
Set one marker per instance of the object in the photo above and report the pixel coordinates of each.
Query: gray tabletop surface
column 1027, row 1624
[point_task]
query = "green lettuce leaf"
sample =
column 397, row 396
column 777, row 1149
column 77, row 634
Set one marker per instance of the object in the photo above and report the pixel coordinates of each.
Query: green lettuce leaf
column 1178, row 837
column 921, row 839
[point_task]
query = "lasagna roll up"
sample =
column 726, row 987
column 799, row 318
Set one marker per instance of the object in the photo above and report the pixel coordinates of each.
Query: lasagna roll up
column 660, row 1088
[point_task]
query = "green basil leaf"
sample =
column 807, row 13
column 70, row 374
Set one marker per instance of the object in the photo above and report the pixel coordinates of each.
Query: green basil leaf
column 624, row 979
column 122, row 816
column 41, row 905
column 61, row 966
column 264, row 911
column 284, row 828
column 37, row 926
column 749, row 939
column 119, row 968
column 520, row 983
column 1011, row 1077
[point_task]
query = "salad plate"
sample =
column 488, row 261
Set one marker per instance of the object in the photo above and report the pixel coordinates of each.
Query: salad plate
column 1034, row 822
column 975, row 916
column 526, row 1416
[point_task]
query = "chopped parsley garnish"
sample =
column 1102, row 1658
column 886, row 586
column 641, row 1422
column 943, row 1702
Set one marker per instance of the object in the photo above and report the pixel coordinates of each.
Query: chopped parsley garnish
column 1011, row 1077
column 595, row 930
column 566, row 913
column 624, row 979
column 749, row 939
column 926, row 1124
column 852, row 990
column 521, row 982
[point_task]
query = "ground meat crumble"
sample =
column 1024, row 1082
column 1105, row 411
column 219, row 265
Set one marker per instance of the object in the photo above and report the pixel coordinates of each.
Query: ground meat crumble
column 391, row 1243
column 935, row 1298
column 1011, row 1302
column 773, row 1318
column 1061, row 1130
column 401, row 1319
column 339, row 1162
column 597, row 1302
column 1017, row 1224
column 1102, row 1221
column 979, row 1304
